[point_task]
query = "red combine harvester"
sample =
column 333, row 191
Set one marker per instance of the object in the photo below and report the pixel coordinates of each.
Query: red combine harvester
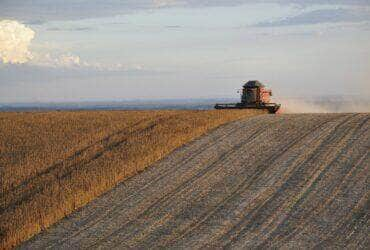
column 254, row 96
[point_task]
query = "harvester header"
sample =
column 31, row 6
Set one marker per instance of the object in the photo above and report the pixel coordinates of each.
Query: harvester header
column 254, row 96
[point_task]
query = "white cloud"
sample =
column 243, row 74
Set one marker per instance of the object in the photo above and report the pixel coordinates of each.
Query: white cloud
column 15, row 39
column 69, row 60
column 52, row 60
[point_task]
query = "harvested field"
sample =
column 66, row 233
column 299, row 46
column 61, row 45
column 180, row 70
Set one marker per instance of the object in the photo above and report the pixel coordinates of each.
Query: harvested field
column 52, row 163
column 285, row 181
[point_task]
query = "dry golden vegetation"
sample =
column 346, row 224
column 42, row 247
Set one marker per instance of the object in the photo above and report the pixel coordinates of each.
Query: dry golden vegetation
column 52, row 163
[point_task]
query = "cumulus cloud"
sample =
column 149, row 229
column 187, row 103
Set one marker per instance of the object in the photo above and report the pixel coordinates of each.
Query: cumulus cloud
column 15, row 39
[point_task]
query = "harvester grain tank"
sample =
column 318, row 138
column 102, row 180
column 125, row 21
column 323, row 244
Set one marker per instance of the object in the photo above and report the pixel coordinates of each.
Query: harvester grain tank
column 254, row 96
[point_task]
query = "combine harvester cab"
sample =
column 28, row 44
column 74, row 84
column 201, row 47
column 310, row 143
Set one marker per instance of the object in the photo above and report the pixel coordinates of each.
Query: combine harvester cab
column 254, row 96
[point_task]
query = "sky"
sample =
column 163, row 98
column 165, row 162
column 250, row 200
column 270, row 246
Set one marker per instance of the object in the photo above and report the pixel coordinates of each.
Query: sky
column 101, row 50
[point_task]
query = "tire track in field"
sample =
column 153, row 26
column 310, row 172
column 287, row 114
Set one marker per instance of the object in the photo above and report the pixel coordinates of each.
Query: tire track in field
column 214, row 166
column 183, row 163
column 306, row 187
column 220, row 162
column 188, row 157
column 71, row 163
column 273, row 158
column 122, row 132
column 269, row 181
column 260, row 169
column 343, row 175
column 250, row 180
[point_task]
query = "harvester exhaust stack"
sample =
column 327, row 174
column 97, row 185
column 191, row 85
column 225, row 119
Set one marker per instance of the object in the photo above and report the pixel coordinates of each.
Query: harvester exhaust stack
column 254, row 96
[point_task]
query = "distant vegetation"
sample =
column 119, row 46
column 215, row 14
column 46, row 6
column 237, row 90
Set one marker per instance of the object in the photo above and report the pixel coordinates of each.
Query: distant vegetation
column 52, row 163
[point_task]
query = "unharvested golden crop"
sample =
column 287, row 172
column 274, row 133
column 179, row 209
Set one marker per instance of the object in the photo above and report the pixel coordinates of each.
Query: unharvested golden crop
column 52, row 163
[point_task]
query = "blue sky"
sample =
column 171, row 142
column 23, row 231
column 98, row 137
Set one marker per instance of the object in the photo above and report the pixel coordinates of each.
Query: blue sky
column 80, row 50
